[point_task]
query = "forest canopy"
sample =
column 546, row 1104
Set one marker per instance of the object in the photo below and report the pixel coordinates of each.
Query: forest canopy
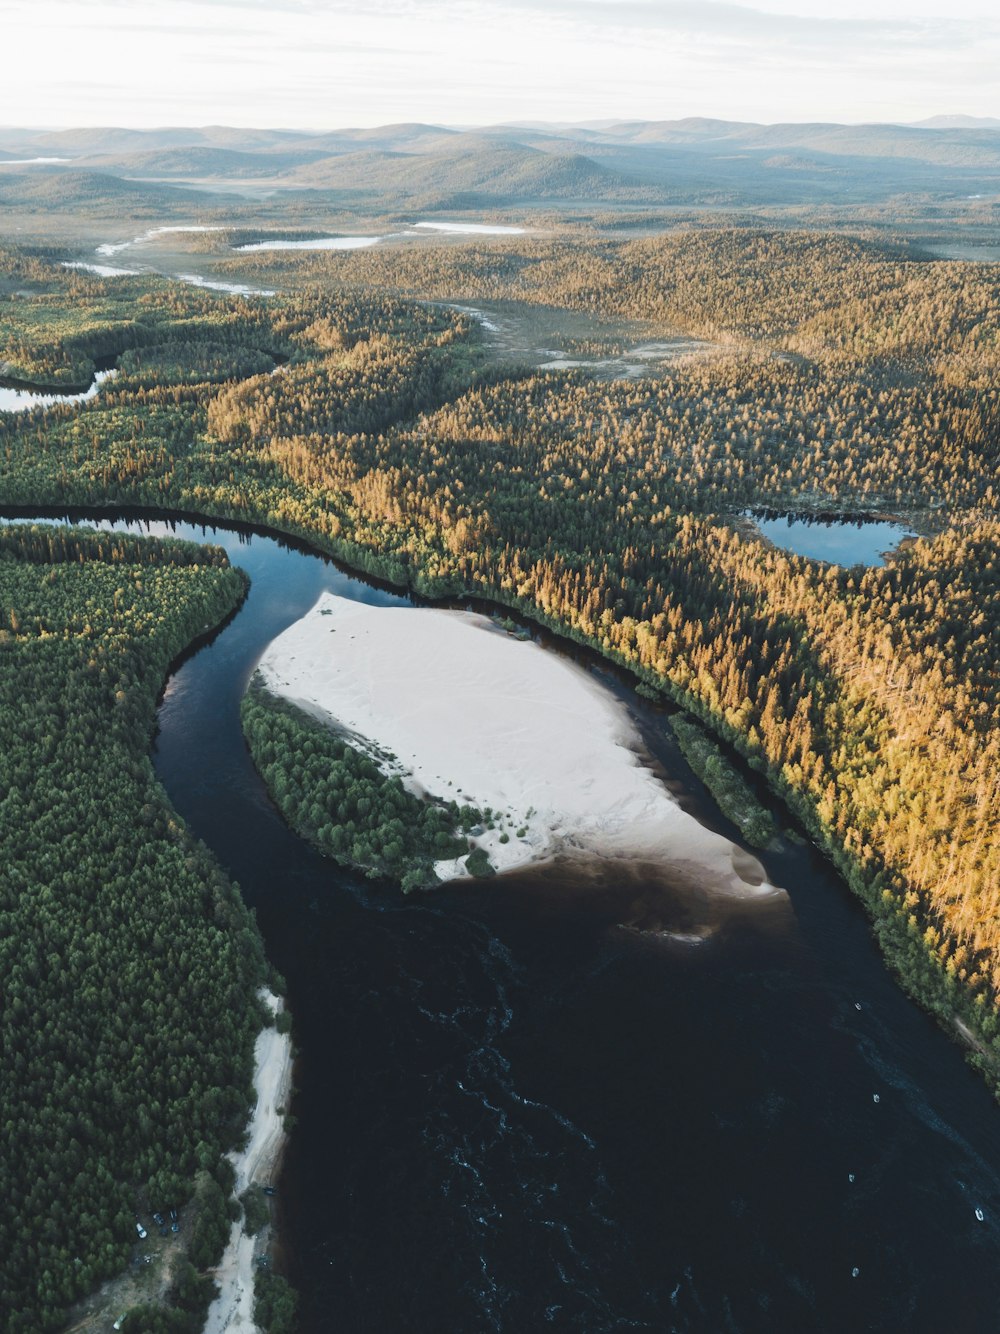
column 847, row 376
column 130, row 964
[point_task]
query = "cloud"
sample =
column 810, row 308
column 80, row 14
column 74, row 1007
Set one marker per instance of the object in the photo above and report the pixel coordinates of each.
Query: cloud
column 329, row 62
column 728, row 23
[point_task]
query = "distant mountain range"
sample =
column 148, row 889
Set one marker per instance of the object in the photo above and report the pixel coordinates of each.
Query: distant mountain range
column 691, row 161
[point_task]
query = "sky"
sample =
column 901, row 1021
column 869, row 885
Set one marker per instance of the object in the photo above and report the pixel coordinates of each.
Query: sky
column 322, row 64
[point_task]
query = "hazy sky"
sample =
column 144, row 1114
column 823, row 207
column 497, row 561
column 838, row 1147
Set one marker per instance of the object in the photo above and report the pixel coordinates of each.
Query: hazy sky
column 327, row 63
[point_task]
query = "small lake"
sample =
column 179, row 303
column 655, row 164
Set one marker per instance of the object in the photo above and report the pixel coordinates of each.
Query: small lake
column 13, row 398
column 339, row 242
column 516, row 1112
column 842, row 541
column 312, row 243
column 101, row 270
column 148, row 243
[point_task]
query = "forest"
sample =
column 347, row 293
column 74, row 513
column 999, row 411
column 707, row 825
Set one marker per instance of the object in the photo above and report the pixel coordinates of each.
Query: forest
column 846, row 376
column 341, row 800
column 733, row 794
column 130, row 964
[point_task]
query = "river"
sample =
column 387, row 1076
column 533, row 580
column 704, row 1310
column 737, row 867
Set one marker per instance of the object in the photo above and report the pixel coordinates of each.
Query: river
column 19, row 396
column 514, row 1114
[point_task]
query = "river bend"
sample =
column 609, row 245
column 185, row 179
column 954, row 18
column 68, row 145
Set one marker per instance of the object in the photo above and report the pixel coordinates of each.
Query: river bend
column 516, row 1113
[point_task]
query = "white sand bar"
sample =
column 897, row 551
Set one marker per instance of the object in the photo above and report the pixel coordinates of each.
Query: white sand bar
column 473, row 714
column 233, row 1308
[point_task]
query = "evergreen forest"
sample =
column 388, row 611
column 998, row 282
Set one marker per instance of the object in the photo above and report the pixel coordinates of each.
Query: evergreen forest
column 130, row 964
column 345, row 802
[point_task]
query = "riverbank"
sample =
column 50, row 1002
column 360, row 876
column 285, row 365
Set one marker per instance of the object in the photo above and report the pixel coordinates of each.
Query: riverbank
column 256, row 1164
column 463, row 711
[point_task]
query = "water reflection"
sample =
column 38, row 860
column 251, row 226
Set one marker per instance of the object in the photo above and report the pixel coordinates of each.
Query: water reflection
column 14, row 398
column 840, row 541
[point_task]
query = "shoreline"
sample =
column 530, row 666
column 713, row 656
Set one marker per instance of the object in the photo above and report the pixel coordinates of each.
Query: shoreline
column 256, row 1164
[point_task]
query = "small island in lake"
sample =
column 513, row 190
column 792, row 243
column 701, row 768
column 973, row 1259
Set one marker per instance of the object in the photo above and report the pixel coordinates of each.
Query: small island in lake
column 467, row 719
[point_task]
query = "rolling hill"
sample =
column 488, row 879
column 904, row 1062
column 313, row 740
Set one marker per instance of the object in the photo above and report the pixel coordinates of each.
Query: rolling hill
column 691, row 161
column 480, row 173
column 94, row 193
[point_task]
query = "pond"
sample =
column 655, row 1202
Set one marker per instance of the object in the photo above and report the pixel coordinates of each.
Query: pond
column 515, row 1110
column 101, row 270
column 840, row 541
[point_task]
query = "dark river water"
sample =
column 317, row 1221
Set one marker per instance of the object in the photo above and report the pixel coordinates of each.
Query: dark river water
column 515, row 1113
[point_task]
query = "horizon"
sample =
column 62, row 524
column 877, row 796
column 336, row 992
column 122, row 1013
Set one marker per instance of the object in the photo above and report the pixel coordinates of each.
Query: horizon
column 596, row 124
column 289, row 63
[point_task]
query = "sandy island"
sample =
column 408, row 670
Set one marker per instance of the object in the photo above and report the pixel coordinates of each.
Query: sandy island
column 255, row 1165
column 464, row 711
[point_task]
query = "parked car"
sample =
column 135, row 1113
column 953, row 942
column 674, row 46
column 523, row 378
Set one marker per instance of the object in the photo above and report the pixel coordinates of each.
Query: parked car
column 158, row 1220
column 141, row 1231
